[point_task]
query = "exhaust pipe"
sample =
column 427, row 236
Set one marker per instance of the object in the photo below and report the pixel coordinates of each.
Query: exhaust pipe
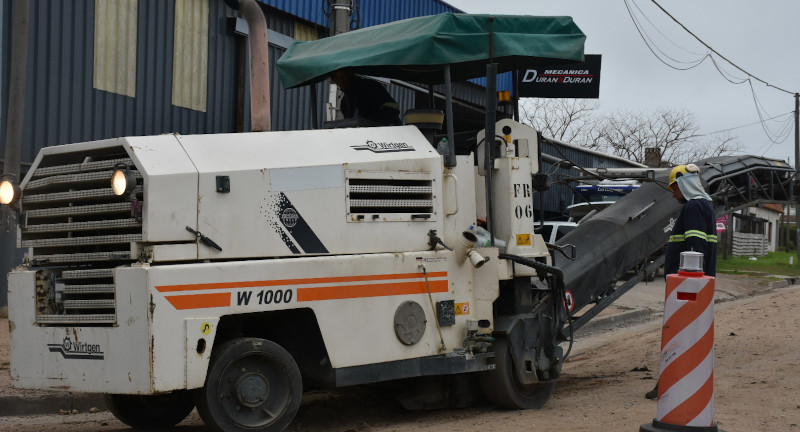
column 467, row 242
column 259, row 63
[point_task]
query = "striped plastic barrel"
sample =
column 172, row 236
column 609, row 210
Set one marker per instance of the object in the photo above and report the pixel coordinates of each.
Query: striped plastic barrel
column 686, row 378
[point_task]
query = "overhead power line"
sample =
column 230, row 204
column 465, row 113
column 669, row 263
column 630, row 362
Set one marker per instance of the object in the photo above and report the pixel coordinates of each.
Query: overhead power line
column 776, row 137
column 720, row 55
column 751, row 124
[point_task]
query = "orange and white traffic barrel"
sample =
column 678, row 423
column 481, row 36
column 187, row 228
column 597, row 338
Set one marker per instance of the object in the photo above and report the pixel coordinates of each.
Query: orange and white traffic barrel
column 686, row 369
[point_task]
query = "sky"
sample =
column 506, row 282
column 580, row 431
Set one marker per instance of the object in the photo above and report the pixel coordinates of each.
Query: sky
column 758, row 36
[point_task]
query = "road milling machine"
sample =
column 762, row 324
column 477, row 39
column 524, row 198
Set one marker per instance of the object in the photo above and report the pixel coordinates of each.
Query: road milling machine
column 230, row 272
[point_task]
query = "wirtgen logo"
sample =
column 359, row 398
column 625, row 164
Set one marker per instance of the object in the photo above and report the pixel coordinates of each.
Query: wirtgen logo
column 70, row 349
column 384, row 147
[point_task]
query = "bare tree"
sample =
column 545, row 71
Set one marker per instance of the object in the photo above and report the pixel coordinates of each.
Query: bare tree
column 674, row 132
column 570, row 120
column 713, row 146
column 626, row 134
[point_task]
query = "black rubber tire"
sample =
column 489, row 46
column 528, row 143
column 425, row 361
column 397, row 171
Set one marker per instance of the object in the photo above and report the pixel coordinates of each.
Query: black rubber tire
column 151, row 411
column 502, row 387
column 252, row 385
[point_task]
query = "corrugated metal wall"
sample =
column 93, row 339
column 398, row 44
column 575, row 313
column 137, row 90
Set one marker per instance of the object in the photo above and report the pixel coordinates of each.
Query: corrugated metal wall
column 291, row 109
column 62, row 106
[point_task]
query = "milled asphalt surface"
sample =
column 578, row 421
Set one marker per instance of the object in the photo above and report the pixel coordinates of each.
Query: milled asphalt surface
column 644, row 302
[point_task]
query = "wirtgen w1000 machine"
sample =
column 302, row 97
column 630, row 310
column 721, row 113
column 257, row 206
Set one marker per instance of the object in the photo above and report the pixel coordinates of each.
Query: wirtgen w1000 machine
column 230, row 272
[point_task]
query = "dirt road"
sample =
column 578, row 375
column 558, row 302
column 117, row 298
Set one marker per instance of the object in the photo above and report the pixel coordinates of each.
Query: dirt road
column 757, row 380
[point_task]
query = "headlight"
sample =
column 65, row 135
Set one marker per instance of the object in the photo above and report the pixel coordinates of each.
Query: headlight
column 9, row 192
column 123, row 180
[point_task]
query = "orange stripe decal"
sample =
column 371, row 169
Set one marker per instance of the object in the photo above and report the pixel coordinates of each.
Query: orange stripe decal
column 200, row 301
column 309, row 281
column 372, row 290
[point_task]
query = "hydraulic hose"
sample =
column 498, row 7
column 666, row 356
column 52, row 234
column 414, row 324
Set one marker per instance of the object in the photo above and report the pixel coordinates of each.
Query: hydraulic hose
column 558, row 285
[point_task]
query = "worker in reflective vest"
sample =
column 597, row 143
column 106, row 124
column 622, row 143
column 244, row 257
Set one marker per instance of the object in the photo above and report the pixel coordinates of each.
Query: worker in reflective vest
column 695, row 229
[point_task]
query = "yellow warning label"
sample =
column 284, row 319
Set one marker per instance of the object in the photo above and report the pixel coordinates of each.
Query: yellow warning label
column 462, row 308
column 523, row 239
column 205, row 328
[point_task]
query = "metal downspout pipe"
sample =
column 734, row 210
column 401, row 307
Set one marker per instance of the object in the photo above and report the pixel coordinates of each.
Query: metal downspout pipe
column 259, row 63
column 16, row 90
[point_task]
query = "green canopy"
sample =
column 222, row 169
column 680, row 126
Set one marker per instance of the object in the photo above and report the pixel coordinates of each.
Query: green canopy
column 416, row 49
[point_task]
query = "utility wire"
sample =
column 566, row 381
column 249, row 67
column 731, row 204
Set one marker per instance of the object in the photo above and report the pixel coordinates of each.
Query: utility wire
column 776, row 137
column 641, row 12
column 651, row 45
column 748, row 124
column 720, row 55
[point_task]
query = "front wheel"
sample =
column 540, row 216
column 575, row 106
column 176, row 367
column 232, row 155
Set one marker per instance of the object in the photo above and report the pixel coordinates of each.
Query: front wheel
column 502, row 387
column 151, row 412
column 252, row 385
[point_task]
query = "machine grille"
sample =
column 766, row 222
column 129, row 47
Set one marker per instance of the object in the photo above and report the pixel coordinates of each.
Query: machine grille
column 76, row 231
column 390, row 199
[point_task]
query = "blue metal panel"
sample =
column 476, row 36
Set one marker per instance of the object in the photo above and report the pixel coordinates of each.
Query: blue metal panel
column 373, row 12
column 505, row 81
column 309, row 10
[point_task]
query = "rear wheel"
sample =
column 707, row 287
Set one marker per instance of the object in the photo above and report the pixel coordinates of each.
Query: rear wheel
column 151, row 412
column 503, row 388
column 252, row 385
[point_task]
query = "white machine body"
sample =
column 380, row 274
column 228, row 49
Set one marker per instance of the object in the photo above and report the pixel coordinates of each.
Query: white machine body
column 128, row 294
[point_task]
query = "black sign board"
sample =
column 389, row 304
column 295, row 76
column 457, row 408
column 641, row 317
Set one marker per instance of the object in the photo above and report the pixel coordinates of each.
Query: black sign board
column 564, row 80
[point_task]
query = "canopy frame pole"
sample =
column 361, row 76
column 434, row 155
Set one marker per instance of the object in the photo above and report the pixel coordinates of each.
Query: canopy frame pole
column 489, row 143
column 450, row 160
column 488, row 137
column 314, row 107
column 515, row 89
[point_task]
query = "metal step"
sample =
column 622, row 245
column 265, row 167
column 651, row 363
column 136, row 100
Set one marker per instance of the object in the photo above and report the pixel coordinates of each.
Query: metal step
column 83, row 226
column 71, row 180
column 82, row 257
column 95, row 209
column 80, row 167
column 87, row 274
column 71, row 196
column 89, row 289
column 357, row 203
column 83, row 241
column 76, row 319
column 89, row 304
column 390, row 189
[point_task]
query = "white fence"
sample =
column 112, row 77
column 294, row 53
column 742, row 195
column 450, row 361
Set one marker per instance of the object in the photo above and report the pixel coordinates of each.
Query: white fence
column 750, row 244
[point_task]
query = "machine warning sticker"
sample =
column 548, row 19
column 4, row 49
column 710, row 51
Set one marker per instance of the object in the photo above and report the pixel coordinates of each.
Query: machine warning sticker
column 422, row 260
column 569, row 301
column 205, row 328
column 70, row 349
column 523, row 239
column 462, row 308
